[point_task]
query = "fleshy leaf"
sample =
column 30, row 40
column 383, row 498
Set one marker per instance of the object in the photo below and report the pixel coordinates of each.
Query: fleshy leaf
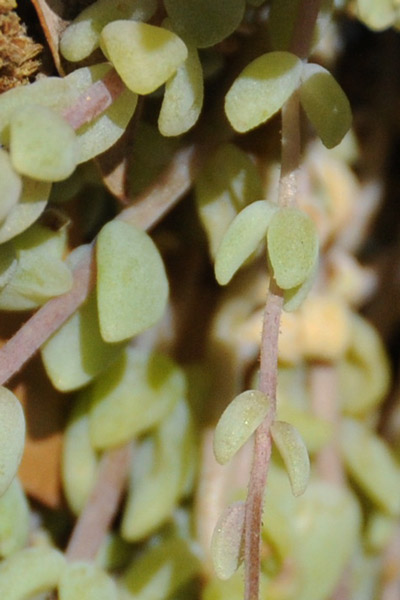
column 132, row 287
column 42, row 144
column 79, row 459
column 166, row 564
column 12, row 437
column 364, row 372
column 294, row 297
column 82, row 36
column 294, row 454
column 261, row 89
column 227, row 183
column 378, row 15
column 227, row 541
column 30, row 572
column 11, row 185
column 292, row 242
column 40, row 273
column 86, row 582
column 205, row 22
column 132, row 396
column 325, row 104
column 183, row 97
column 76, row 352
column 282, row 19
column 371, row 464
column 162, row 475
column 238, row 422
column 242, row 238
column 145, row 56
column 14, row 519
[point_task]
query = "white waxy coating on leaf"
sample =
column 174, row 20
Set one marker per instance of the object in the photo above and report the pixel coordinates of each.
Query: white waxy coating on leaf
column 325, row 104
column 12, row 437
column 42, row 144
column 87, row 582
column 30, row 572
column 82, row 36
column 292, row 242
column 132, row 287
column 238, row 422
column 144, row 56
column 261, row 89
column 294, row 454
column 372, row 465
column 227, row 541
column 183, row 97
column 132, row 396
column 11, row 185
column 242, row 238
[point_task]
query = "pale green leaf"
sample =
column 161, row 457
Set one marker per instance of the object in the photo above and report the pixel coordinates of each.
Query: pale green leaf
column 241, row 239
column 238, row 422
column 42, row 144
column 164, row 567
column 132, row 287
column 227, row 183
column 378, row 15
column 30, row 572
column 371, row 464
column 159, row 477
column 227, row 541
column 76, row 353
column 294, row 454
column 261, row 89
column 11, row 185
column 205, row 22
column 183, row 97
column 15, row 519
column 132, row 396
column 292, row 243
column 79, row 459
column 325, row 104
column 294, row 297
column 145, row 56
column 82, row 36
column 12, row 437
column 30, row 206
column 87, row 582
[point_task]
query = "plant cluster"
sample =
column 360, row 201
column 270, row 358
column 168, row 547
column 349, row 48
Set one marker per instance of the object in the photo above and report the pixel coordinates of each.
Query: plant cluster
column 223, row 421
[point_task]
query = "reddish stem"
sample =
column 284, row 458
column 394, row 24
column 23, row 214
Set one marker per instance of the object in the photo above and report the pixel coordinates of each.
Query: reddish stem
column 95, row 100
column 148, row 209
column 290, row 160
column 102, row 506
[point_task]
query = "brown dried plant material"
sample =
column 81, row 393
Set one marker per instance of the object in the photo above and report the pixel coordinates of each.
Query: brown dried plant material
column 51, row 17
column 18, row 52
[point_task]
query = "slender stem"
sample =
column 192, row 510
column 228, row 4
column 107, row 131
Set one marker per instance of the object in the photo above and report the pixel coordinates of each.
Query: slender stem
column 99, row 512
column 147, row 211
column 290, row 161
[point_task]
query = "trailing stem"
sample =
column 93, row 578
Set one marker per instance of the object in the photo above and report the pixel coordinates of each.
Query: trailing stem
column 290, row 161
